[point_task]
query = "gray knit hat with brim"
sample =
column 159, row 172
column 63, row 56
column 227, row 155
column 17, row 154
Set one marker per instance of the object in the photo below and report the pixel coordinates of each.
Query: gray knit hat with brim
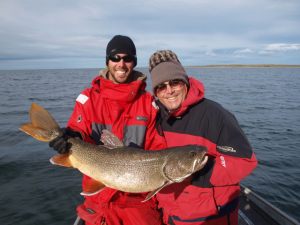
column 166, row 71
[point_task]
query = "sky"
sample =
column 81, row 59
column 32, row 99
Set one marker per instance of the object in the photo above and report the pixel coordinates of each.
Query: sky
column 56, row 34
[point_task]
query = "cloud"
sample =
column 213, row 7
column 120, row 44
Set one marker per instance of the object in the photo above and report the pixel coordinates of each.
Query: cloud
column 279, row 48
column 212, row 31
column 243, row 51
column 210, row 53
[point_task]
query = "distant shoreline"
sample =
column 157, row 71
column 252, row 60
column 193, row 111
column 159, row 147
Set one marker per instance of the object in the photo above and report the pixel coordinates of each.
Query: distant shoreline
column 247, row 66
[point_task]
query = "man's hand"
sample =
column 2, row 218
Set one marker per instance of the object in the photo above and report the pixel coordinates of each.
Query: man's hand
column 61, row 144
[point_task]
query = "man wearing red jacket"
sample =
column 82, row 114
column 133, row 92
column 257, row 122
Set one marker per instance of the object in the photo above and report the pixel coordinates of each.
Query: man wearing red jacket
column 116, row 101
column 211, row 196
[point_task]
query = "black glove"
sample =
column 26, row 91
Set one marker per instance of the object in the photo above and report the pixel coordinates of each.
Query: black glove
column 61, row 144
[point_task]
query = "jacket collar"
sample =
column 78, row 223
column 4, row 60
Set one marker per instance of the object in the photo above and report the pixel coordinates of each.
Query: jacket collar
column 119, row 92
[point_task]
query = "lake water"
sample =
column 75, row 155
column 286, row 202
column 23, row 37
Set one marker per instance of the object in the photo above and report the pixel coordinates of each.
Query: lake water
column 265, row 101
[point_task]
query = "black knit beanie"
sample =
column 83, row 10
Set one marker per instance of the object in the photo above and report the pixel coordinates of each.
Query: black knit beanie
column 120, row 44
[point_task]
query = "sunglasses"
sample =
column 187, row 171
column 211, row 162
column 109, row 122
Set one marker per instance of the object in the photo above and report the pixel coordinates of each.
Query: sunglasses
column 117, row 58
column 174, row 84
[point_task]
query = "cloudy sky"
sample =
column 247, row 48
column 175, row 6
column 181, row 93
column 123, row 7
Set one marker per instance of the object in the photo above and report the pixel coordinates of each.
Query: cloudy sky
column 74, row 33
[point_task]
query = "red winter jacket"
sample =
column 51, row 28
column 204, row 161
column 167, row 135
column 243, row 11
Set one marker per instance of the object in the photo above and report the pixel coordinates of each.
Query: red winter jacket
column 212, row 195
column 127, row 111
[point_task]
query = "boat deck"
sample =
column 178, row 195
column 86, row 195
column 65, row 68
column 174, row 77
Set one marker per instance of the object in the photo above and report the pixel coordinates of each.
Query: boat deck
column 254, row 210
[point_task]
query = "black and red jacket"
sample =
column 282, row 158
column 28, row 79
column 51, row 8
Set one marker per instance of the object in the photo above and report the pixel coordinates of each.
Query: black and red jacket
column 215, row 189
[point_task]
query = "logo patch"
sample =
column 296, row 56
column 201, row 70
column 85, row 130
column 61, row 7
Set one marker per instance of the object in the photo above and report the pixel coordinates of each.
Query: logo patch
column 82, row 98
column 226, row 149
column 142, row 118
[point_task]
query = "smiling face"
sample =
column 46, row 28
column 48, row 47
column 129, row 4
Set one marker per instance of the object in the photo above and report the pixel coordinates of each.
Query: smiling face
column 171, row 94
column 119, row 71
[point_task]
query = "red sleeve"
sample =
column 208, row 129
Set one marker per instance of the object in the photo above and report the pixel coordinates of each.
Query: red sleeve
column 234, row 157
column 79, row 120
column 229, row 170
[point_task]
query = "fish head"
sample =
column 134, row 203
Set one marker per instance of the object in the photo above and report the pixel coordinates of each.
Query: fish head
column 185, row 161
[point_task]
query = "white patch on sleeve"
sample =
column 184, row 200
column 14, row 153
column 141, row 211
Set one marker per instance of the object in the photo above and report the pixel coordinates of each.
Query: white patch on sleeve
column 223, row 162
column 82, row 98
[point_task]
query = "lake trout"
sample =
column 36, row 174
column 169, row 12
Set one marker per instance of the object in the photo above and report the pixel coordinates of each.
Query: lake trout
column 114, row 165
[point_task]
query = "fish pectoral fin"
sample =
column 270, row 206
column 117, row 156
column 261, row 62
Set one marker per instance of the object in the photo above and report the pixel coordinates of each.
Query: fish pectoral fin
column 110, row 140
column 92, row 187
column 152, row 193
column 61, row 160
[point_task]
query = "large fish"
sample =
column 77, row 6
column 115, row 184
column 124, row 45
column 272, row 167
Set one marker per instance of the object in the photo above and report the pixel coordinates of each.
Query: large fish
column 114, row 165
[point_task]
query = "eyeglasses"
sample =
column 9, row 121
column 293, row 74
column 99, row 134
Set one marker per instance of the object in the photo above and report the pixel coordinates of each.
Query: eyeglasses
column 174, row 84
column 117, row 58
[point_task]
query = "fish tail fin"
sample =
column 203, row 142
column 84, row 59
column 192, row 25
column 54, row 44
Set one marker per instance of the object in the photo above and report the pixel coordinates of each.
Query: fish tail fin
column 42, row 125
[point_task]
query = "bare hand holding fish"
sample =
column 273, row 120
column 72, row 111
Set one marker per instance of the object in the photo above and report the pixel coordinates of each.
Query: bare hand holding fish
column 115, row 165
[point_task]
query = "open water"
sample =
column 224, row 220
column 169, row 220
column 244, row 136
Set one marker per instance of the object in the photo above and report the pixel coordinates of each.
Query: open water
column 266, row 102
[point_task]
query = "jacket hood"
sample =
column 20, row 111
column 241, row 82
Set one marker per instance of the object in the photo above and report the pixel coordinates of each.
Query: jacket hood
column 126, row 92
column 195, row 94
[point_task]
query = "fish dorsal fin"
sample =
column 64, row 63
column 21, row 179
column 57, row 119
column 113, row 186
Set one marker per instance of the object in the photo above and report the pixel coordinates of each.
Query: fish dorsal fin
column 110, row 140
column 92, row 187
column 152, row 193
column 41, row 118
column 61, row 160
